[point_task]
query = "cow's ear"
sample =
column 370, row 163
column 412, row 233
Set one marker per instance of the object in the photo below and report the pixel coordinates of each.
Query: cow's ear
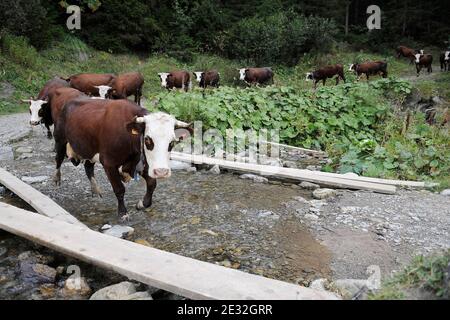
column 135, row 128
column 183, row 133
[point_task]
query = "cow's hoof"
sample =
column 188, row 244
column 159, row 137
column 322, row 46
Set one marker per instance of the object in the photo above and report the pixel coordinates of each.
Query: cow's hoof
column 57, row 179
column 140, row 205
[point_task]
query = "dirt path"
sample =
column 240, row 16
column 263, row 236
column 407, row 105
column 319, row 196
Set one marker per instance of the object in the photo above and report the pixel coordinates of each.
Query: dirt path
column 274, row 229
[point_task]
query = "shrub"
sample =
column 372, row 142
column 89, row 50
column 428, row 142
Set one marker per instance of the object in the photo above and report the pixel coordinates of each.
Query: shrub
column 19, row 50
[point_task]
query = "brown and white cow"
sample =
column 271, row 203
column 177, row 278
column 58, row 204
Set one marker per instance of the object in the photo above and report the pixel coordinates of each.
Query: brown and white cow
column 175, row 79
column 91, row 83
column 127, row 84
column 445, row 61
column 256, row 75
column 326, row 72
column 369, row 68
column 423, row 60
column 403, row 51
column 39, row 109
column 207, row 78
column 125, row 138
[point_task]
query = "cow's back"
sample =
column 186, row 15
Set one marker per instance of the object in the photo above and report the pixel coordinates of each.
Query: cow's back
column 50, row 86
column 86, row 82
column 127, row 83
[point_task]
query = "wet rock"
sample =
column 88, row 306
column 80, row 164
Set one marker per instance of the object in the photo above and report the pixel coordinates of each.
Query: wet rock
column 301, row 199
column 47, row 290
column 76, row 286
column 348, row 288
column 254, row 178
column 36, row 273
column 445, row 192
column 319, row 284
column 191, row 169
column 24, row 150
column 119, row 231
column 3, row 252
column 310, row 216
column 215, row 169
column 106, row 227
column 179, row 165
column 309, row 186
column 37, row 179
column 34, row 257
column 323, row 193
column 24, row 156
column 121, row 291
column 2, row 191
column 143, row 242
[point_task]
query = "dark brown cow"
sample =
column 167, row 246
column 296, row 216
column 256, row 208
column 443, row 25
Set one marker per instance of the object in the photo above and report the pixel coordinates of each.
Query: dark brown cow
column 326, row 72
column 207, row 78
column 256, row 75
column 123, row 137
column 370, row 68
column 89, row 82
column 39, row 108
column 175, row 79
column 127, row 84
column 423, row 60
column 444, row 59
column 409, row 53
column 57, row 99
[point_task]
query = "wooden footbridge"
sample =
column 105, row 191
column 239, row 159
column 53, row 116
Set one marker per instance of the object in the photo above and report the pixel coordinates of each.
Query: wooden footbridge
column 55, row 228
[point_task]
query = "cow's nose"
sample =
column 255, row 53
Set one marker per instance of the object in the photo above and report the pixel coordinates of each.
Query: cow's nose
column 161, row 172
column 33, row 123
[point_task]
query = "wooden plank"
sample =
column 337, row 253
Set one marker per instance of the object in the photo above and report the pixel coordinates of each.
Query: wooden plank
column 403, row 183
column 181, row 275
column 296, row 174
column 41, row 203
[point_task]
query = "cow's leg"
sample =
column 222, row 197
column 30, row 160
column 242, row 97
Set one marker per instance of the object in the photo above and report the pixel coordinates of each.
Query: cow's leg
column 418, row 68
column 324, row 81
column 89, row 169
column 337, row 80
column 49, row 133
column 315, row 84
column 60, row 149
column 367, row 76
column 151, row 185
column 119, row 190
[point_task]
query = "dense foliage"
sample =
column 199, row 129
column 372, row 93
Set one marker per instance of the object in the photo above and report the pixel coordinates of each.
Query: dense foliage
column 353, row 122
column 259, row 31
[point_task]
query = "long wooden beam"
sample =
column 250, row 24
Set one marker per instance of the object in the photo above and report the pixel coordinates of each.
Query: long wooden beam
column 41, row 203
column 297, row 174
column 174, row 273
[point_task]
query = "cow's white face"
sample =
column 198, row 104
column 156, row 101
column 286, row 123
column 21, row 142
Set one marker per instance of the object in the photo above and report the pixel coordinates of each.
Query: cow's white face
column 35, row 107
column 447, row 55
column 198, row 75
column 163, row 76
column 103, row 91
column 159, row 134
column 309, row 76
column 351, row 67
column 242, row 73
column 417, row 56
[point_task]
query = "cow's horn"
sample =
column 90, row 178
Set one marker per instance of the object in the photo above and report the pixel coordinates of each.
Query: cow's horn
column 182, row 124
column 139, row 120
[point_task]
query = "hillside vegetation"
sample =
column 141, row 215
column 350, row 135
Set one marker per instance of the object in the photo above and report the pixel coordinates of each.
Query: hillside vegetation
column 358, row 123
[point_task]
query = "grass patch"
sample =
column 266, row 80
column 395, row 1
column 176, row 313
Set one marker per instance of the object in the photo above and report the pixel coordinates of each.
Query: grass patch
column 424, row 273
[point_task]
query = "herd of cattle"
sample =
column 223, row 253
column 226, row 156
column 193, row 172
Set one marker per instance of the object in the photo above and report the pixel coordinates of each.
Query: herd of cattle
column 95, row 122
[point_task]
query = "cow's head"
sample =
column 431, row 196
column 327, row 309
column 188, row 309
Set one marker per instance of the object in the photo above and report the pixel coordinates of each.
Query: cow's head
column 417, row 57
column 36, row 112
column 198, row 75
column 163, row 77
column 447, row 55
column 352, row 67
column 421, row 51
column 309, row 76
column 242, row 73
column 103, row 91
column 160, row 131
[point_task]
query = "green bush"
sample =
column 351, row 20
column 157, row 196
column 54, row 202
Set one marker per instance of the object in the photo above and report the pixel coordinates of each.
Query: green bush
column 18, row 49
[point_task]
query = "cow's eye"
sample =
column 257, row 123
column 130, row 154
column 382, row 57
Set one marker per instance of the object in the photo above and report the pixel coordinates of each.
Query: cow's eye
column 149, row 143
column 171, row 145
